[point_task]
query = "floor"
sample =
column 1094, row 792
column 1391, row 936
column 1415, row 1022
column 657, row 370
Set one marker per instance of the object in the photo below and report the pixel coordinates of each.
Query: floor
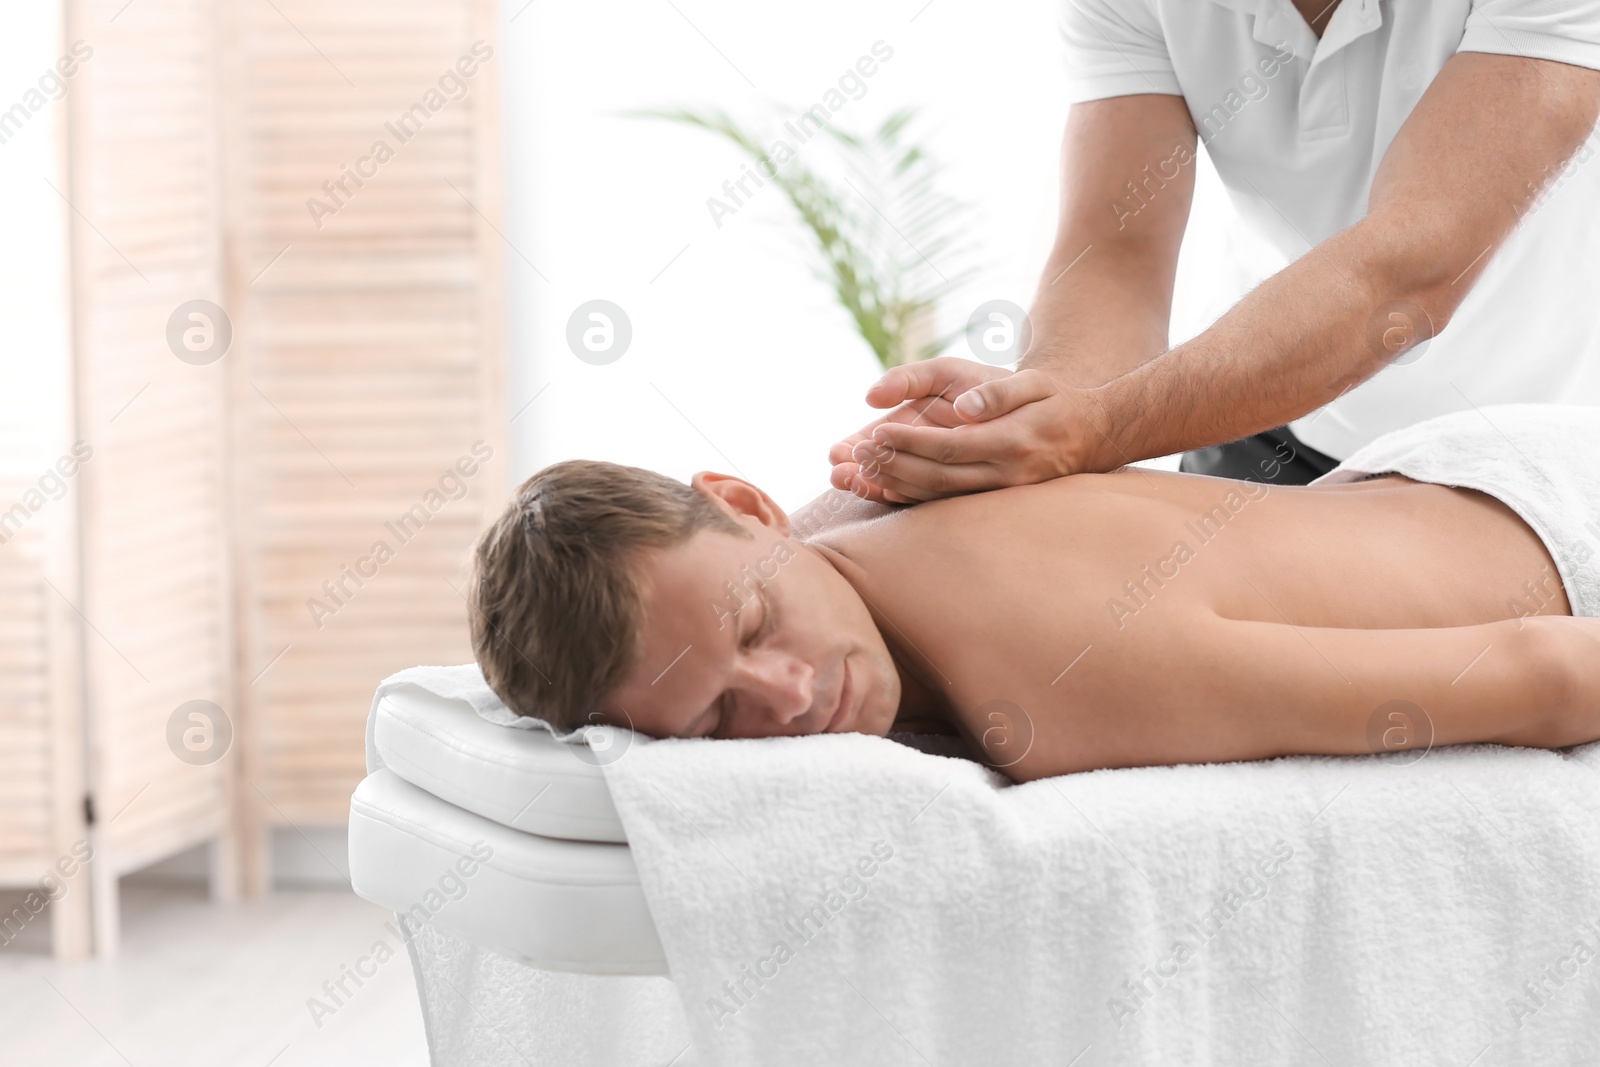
column 205, row 984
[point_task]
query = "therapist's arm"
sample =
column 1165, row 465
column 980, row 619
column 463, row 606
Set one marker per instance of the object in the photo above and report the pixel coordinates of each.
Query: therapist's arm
column 1104, row 301
column 1465, row 167
column 1462, row 171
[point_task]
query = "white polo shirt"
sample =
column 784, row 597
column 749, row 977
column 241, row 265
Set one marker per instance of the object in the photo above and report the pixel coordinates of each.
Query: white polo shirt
column 1296, row 128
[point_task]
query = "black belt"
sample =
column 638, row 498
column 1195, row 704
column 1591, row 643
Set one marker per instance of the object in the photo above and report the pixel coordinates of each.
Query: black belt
column 1276, row 457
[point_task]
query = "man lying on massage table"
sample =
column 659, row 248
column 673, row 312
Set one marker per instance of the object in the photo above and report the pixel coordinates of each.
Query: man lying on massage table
column 1100, row 620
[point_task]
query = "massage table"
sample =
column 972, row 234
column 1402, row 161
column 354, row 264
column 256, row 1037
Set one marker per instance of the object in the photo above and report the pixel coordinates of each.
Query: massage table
column 550, row 953
column 564, row 894
column 562, row 898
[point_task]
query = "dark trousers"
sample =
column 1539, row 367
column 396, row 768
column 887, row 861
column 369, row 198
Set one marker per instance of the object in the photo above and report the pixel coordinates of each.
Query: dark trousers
column 1276, row 457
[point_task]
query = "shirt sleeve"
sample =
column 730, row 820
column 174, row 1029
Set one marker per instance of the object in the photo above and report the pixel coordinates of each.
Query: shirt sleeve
column 1114, row 48
column 1567, row 31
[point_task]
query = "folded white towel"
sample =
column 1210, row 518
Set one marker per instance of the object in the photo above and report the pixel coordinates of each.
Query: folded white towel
column 848, row 899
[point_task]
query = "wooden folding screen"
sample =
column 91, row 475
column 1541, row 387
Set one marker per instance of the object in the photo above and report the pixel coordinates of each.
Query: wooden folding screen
column 364, row 282
column 155, row 613
column 43, row 833
column 44, row 837
column 283, row 412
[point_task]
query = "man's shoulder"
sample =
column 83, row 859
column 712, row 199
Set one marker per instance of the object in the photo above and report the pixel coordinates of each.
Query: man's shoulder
column 833, row 510
column 959, row 517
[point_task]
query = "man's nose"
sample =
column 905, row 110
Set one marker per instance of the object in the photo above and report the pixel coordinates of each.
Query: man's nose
column 782, row 682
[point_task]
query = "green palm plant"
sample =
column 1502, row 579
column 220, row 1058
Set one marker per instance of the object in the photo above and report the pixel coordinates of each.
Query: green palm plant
column 892, row 244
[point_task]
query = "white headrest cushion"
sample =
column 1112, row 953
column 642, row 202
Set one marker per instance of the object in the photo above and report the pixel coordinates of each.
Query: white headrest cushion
column 524, row 779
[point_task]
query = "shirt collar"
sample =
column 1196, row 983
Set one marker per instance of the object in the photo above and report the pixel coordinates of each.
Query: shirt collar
column 1277, row 22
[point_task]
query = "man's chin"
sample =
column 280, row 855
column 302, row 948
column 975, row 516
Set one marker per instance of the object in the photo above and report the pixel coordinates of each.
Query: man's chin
column 877, row 716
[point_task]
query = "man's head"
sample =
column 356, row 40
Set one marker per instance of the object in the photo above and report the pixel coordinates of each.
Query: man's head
column 606, row 593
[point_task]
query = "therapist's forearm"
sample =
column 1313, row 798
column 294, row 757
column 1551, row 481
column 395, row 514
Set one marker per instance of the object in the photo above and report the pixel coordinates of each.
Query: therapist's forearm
column 1292, row 344
column 1100, row 312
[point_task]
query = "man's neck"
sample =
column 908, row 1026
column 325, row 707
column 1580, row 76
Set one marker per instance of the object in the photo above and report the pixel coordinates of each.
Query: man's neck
column 1317, row 13
column 923, row 710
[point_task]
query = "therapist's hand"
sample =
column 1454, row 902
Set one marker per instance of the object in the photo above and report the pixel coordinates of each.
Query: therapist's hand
column 962, row 427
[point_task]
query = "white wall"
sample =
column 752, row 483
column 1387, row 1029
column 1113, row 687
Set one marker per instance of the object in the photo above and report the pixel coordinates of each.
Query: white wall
column 33, row 279
column 740, row 359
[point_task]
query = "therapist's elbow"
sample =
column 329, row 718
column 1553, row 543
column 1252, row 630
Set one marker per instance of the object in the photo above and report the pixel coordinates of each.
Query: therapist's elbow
column 1415, row 275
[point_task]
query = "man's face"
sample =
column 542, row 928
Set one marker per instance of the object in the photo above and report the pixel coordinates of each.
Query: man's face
column 753, row 637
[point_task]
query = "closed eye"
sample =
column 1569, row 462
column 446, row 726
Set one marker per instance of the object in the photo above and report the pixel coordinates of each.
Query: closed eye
column 762, row 631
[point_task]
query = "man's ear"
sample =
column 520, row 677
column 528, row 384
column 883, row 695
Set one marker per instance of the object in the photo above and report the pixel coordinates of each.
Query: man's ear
column 740, row 499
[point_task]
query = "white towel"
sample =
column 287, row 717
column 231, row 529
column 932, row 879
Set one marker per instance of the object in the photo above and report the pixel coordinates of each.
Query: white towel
column 1350, row 910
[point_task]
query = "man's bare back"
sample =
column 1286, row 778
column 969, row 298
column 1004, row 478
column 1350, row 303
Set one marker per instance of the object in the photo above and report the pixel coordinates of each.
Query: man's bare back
column 1111, row 551
column 1054, row 600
